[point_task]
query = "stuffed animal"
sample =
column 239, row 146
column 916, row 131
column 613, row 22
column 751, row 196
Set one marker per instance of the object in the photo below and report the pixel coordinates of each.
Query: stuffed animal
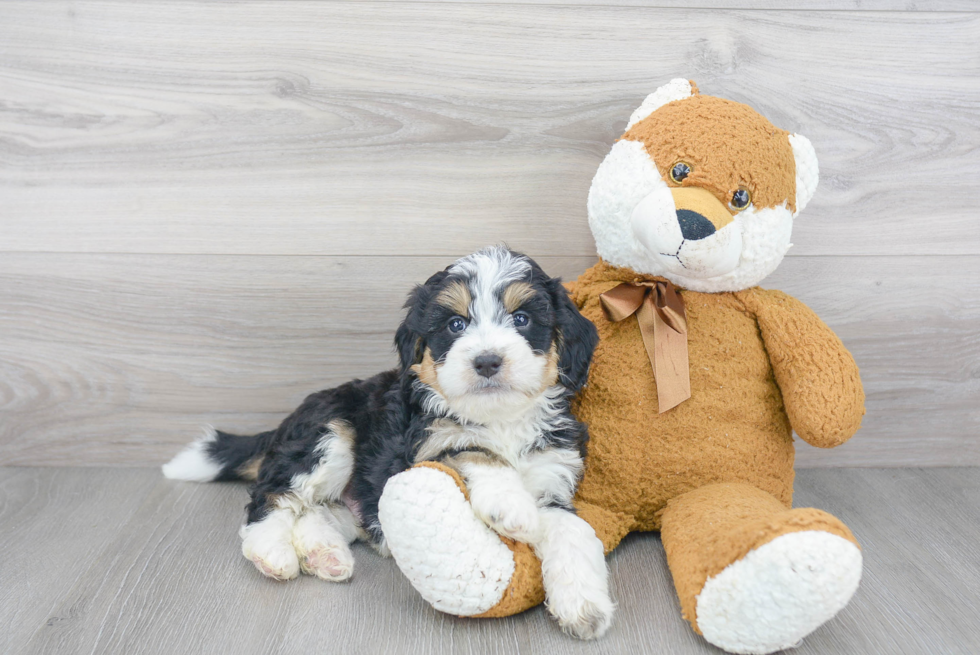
column 697, row 384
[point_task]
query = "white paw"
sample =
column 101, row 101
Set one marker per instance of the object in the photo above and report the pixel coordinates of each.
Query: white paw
column 584, row 618
column 451, row 557
column 279, row 564
column 268, row 544
column 779, row 593
column 327, row 562
column 575, row 575
column 321, row 548
column 510, row 512
column 276, row 561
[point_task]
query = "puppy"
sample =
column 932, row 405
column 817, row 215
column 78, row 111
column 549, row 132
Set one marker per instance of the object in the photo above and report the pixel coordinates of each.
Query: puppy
column 491, row 351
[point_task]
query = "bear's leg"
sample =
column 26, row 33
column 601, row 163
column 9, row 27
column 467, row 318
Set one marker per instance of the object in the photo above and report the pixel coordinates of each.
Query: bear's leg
column 753, row 576
column 461, row 566
column 457, row 563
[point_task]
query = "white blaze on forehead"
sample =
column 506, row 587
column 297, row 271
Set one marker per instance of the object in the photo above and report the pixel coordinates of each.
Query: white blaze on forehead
column 519, row 381
column 489, row 271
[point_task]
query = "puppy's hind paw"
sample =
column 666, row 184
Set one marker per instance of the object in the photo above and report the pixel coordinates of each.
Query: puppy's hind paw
column 267, row 544
column 322, row 550
column 330, row 563
column 279, row 563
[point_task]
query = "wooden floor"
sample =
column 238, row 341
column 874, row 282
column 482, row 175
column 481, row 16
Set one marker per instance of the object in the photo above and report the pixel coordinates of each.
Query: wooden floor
column 123, row 561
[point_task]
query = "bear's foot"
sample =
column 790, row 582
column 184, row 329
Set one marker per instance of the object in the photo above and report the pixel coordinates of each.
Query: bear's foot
column 779, row 593
column 457, row 563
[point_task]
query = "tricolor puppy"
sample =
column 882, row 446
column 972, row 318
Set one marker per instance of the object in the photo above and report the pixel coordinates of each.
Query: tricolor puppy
column 491, row 351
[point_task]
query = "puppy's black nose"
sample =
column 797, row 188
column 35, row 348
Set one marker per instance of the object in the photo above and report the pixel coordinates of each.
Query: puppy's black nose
column 487, row 364
column 694, row 226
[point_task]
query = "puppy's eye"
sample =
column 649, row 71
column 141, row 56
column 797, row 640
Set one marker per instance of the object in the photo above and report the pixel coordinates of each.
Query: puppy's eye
column 457, row 324
column 521, row 319
column 741, row 199
column 679, row 171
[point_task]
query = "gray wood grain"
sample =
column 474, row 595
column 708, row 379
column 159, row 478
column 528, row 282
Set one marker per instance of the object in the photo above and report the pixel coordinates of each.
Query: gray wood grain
column 170, row 577
column 54, row 527
column 394, row 137
column 418, row 128
column 795, row 5
column 119, row 359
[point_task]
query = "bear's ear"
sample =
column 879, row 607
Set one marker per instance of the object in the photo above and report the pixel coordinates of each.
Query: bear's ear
column 807, row 170
column 677, row 89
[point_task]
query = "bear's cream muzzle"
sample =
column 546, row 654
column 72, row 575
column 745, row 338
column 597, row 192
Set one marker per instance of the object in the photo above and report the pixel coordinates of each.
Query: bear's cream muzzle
column 689, row 231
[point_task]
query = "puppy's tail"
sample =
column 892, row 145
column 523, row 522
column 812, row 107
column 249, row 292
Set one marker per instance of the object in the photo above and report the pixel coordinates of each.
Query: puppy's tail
column 219, row 456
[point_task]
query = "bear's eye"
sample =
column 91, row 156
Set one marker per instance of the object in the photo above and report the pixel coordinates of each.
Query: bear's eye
column 679, row 171
column 741, row 199
column 457, row 324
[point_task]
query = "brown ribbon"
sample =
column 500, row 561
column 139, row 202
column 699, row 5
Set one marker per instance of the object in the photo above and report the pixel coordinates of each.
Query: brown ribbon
column 660, row 312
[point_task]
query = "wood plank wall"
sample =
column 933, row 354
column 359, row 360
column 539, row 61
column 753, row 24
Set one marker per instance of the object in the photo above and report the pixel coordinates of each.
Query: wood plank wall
column 210, row 209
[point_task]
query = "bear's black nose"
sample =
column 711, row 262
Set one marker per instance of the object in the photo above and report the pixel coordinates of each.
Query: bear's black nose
column 487, row 364
column 694, row 226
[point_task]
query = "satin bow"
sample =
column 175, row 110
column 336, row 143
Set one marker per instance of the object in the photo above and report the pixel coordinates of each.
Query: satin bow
column 660, row 312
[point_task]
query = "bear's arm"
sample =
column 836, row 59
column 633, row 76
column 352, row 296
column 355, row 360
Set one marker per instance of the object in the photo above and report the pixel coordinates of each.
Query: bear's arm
column 818, row 378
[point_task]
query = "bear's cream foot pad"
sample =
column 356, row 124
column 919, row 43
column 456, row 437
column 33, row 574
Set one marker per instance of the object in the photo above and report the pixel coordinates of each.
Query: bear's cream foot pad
column 779, row 593
column 458, row 564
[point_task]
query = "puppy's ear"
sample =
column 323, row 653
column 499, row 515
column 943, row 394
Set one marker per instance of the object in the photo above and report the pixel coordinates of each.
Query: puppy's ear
column 577, row 339
column 409, row 345
column 410, row 336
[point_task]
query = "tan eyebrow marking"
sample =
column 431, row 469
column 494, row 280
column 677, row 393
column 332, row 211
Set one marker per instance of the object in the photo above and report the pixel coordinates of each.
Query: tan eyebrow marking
column 457, row 298
column 516, row 294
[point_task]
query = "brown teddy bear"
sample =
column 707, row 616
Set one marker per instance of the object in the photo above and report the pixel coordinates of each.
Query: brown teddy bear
column 697, row 384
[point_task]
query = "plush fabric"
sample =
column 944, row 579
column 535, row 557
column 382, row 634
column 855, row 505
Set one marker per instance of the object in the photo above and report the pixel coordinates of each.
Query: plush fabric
column 757, row 358
column 715, row 473
column 727, row 145
column 708, row 528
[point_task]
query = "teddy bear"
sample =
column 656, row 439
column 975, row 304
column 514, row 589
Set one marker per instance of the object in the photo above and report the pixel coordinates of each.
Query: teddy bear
column 697, row 384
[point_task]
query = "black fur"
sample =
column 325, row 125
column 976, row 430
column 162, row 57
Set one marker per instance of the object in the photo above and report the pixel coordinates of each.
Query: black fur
column 577, row 336
column 388, row 411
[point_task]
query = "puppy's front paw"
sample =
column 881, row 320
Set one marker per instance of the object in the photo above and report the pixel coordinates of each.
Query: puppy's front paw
column 510, row 512
column 583, row 617
column 575, row 575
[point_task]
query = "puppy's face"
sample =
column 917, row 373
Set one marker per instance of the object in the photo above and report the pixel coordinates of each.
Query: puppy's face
column 492, row 333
